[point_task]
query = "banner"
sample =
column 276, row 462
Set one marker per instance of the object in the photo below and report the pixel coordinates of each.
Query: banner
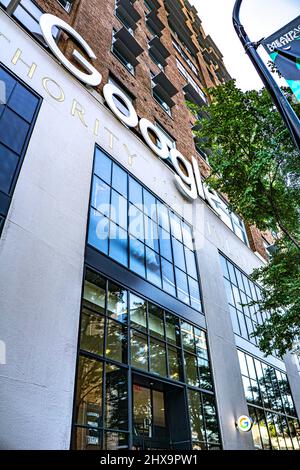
column 284, row 50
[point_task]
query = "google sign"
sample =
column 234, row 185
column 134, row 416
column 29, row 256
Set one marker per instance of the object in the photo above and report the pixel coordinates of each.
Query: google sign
column 244, row 423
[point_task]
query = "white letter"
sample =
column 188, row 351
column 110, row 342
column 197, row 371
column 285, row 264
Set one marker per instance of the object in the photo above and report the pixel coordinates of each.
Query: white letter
column 47, row 22
column 185, row 179
column 145, row 126
column 109, row 92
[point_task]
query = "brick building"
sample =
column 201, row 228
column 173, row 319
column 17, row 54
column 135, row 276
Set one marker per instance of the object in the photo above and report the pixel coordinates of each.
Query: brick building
column 123, row 294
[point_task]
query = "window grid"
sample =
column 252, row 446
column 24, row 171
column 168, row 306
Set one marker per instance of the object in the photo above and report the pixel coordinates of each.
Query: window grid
column 271, row 405
column 105, row 301
column 160, row 257
column 240, row 291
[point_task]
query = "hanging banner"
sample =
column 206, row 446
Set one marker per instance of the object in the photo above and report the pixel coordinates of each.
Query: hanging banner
column 284, row 50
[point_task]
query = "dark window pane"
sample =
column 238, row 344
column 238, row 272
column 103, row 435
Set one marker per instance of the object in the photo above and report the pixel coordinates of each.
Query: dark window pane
column 187, row 335
column 119, row 209
column 139, row 350
column 103, row 166
column 156, row 321
column 13, row 130
column 116, row 415
column 23, row 102
column 115, row 441
column 89, row 393
column 182, row 286
column 178, row 254
column 117, row 302
column 116, row 342
column 153, row 267
column 138, row 313
column 137, row 257
column 172, row 329
column 194, row 293
column 92, row 332
column 101, row 196
column 98, row 231
column 191, row 370
column 211, row 422
column 190, row 263
column 196, row 416
column 201, row 344
column 157, row 357
column 168, row 277
column 205, row 374
column 175, row 367
column 87, row 438
column 118, row 244
column 8, row 164
column 119, row 180
column 135, row 192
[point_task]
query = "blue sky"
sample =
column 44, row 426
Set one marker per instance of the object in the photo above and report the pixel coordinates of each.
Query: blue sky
column 260, row 18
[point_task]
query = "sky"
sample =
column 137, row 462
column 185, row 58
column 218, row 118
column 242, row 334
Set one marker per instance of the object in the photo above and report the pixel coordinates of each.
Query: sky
column 261, row 18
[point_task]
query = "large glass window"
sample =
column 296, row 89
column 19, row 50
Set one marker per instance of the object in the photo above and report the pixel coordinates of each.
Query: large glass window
column 18, row 110
column 121, row 333
column 133, row 227
column 271, row 406
column 241, row 292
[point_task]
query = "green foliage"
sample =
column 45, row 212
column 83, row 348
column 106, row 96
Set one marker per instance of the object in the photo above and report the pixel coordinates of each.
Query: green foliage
column 254, row 162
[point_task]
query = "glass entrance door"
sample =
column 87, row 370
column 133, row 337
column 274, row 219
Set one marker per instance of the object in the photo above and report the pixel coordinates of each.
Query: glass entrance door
column 149, row 418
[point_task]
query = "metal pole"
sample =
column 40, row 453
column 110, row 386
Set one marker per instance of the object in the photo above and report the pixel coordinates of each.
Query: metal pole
column 284, row 108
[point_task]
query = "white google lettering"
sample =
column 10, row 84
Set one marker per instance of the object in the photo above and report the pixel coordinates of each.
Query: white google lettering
column 188, row 178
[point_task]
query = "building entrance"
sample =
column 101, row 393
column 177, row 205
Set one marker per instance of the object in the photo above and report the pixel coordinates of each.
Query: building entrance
column 156, row 424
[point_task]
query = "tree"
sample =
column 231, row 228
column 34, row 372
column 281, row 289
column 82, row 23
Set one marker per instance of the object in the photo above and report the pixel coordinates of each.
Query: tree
column 255, row 164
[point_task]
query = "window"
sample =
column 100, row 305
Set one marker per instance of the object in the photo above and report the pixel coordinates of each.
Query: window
column 111, row 318
column 28, row 14
column 134, row 228
column 159, row 97
column 66, row 4
column 180, row 50
column 18, row 111
column 270, row 403
column 190, row 80
column 118, row 51
column 155, row 59
column 233, row 221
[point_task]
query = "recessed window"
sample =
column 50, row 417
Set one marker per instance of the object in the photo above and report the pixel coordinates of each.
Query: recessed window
column 66, row 4
column 121, row 54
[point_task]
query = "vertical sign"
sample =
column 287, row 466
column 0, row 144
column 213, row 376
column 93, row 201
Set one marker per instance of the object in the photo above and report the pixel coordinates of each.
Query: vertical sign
column 284, row 50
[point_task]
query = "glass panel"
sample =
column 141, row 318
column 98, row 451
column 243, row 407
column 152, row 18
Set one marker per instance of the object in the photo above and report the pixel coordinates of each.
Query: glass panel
column 178, row 254
column 263, row 429
column 187, row 236
column 116, row 410
column 94, row 291
column 8, row 164
column 163, row 216
column 272, row 431
column 135, row 192
column 151, row 234
column 175, row 371
column 117, row 302
column 142, row 410
column 172, row 329
column 136, row 222
column 211, row 422
column 9, row 83
column 196, row 416
column 191, row 371
column 119, row 209
column 115, row 441
column 89, row 393
column 156, row 321
column 165, row 244
column 243, row 364
column 182, row 286
column 187, row 335
column 194, row 294
column 205, row 374
column 168, row 277
column 13, row 130
column 98, row 231
column 150, row 205
column 118, row 244
column 176, row 226
column 23, row 102
column 92, row 332
column 251, row 368
column 255, row 429
column 138, row 313
column 159, row 418
column 190, row 263
column 137, row 257
column 119, row 180
column 116, row 342
column 234, row 320
column 103, row 166
column 153, row 267
column 157, row 357
column 101, row 196
column 87, row 439
column 139, row 351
